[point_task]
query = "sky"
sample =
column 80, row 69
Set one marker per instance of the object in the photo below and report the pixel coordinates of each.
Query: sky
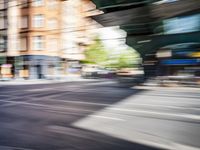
column 110, row 37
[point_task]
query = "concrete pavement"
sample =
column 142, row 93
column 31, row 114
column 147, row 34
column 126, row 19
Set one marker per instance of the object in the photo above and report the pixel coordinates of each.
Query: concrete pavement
column 60, row 79
column 164, row 118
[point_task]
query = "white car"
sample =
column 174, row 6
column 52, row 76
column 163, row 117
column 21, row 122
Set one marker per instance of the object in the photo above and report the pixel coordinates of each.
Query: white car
column 94, row 71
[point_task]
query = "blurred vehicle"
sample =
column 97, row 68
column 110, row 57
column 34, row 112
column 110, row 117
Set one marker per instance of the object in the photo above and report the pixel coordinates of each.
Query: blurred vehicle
column 95, row 71
column 130, row 76
column 125, row 72
column 129, row 72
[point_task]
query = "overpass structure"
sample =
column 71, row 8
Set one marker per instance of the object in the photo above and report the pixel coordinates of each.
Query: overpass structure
column 166, row 33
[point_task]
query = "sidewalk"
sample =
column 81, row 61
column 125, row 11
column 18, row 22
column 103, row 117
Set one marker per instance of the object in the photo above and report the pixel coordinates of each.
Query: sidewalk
column 60, row 79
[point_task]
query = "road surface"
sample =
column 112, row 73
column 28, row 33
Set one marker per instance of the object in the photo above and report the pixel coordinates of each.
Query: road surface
column 98, row 116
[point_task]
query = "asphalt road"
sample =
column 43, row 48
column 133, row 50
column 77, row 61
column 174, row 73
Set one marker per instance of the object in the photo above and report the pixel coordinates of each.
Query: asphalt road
column 98, row 116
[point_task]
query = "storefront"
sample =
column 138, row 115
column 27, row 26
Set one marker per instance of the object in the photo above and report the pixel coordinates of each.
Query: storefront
column 36, row 66
column 181, row 62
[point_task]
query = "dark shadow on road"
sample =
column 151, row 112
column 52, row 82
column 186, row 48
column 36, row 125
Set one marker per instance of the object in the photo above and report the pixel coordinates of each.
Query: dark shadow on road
column 28, row 122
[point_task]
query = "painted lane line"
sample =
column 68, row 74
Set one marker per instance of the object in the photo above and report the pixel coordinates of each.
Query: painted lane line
column 64, row 108
column 46, row 106
column 42, row 89
column 188, row 116
column 81, row 102
column 105, row 117
column 133, row 104
column 104, row 104
column 163, row 106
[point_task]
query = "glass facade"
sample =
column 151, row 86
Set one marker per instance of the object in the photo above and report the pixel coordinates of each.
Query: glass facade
column 182, row 24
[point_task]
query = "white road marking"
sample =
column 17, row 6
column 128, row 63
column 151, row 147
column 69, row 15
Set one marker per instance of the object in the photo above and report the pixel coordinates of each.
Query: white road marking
column 165, row 97
column 41, row 89
column 160, row 88
column 182, row 115
column 81, row 102
column 46, row 106
column 188, row 116
column 127, row 103
column 30, row 98
column 162, row 106
column 133, row 104
column 105, row 117
column 103, row 104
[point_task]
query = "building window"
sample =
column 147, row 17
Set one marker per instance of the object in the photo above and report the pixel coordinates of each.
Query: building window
column 24, row 22
column 38, row 21
column 37, row 3
column 2, row 44
column 23, row 43
column 52, row 24
column 38, row 43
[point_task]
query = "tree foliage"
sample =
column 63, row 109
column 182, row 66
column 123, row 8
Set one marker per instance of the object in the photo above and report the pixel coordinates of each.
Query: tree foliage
column 128, row 59
column 97, row 54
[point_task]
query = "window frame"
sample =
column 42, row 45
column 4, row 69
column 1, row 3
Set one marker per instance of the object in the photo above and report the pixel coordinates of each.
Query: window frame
column 40, row 41
column 38, row 22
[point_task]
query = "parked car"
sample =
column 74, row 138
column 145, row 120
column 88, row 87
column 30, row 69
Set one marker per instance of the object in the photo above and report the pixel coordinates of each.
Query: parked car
column 95, row 71
column 130, row 76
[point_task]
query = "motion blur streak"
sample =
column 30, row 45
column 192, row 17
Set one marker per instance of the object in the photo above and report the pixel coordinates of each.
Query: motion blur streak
column 99, row 74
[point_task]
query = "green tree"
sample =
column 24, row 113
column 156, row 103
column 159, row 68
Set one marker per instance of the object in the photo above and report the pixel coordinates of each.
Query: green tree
column 127, row 58
column 96, row 53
